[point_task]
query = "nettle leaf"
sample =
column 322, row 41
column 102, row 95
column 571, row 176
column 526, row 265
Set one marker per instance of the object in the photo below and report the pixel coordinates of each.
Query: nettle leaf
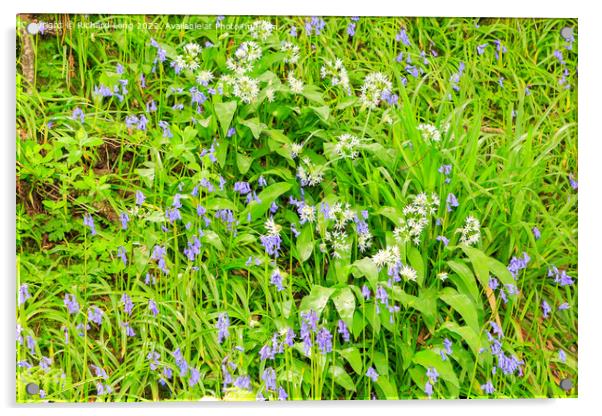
column 305, row 243
column 463, row 305
column 344, row 302
column 224, row 113
column 266, row 197
column 341, row 377
column 316, row 300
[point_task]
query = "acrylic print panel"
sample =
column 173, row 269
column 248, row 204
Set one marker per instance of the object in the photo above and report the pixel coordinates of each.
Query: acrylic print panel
column 295, row 208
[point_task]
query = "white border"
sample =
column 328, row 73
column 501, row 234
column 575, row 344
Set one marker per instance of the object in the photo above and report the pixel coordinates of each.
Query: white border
column 589, row 195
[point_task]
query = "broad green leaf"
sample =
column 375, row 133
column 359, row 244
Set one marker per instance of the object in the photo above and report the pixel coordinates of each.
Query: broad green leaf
column 243, row 162
column 387, row 387
column 224, row 113
column 316, row 300
column 341, row 377
column 255, row 126
column 212, row 238
column 366, row 267
column 480, row 264
column 323, row 112
column 353, row 357
column 417, row 262
column 305, row 243
column 468, row 278
column 429, row 358
column 463, row 305
column 266, row 197
column 467, row 334
column 344, row 302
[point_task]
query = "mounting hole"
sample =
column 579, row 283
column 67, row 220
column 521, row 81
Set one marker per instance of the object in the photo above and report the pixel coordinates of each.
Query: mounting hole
column 32, row 388
column 566, row 384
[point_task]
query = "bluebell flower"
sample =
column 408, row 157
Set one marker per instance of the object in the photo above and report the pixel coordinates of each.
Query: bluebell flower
column 564, row 306
column 269, row 378
column 560, row 276
column 289, row 337
column 546, row 309
column 71, row 303
column 23, row 293
column 448, row 346
column 481, row 48
column 128, row 305
column 573, row 182
column 166, row 130
column 517, row 264
column 403, row 37
column 152, row 306
column 140, row 198
column 124, row 218
column 487, row 387
column 372, row 374
column 95, row 315
column 31, row 344
column 412, row 70
column 493, row 283
column 122, row 254
column 89, row 222
column 180, row 362
column 223, row 323
column 351, row 29
column 282, row 394
column 276, row 280
column 45, row 363
column 195, row 376
column 562, row 356
column 536, row 233
column 343, row 330
column 324, row 340
column 432, row 374
column 443, row 239
column 129, row 331
column 243, row 382
column 452, row 202
column 366, row 292
column 78, row 114
column 271, row 243
column 428, row 389
column 293, row 31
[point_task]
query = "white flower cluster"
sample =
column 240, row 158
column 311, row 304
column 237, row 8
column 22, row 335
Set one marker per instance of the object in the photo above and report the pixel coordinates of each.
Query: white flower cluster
column 471, row 232
column 388, row 257
column 190, row 58
column 296, row 149
column 338, row 242
column 307, row 213
column 296, row 85
column 310, row 174
column 244, row 57
column 375, row 85
column 416, row 217
column 347, row 145
column 204, row 77
column 429, row 132
column 291, row 52
column 245, row 88
column 261, row 29
column 271, row 227
column 337, row 73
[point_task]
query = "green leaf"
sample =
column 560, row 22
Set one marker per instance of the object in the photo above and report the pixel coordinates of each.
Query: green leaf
column 429, row 358
column 366, row 267
column 463, row 305
column 468, row 279
column 224, row 113
column 467, row 334
column 255, row 126
column 316, row 300
column 266, row 197
column 305, row 243
column 479, row 262
column 243, row 162
column 388, row 388
column 344, row 302
column 341, row 377
column 353, row 357
column 417, row 262
column 323, row 112
column 212, row 238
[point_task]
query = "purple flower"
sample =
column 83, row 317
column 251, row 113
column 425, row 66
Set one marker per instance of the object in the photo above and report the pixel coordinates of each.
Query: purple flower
column 153, row 357
column 121, row 253
column 517, row 264
column 452, row 202
column 223, row 323
column 487, row 387
column 31, row 344
column 372, row 374
column 562, row 356
column 428, row 389
column 560, row 276
column 351, row 29
column 282, row 394
column 71, row 303
column 443, row 239
column 127, row 304
column 23, row 293
column 342, row 329
column 99, row 372
column 545, row 308
column 78, row 114
column 573, row 182
column 293, row 31
column 432, row 374
column 266, row 352
column 496, row 329
column 564, row 306
column 276, row 280
column 381, row 295
column 140, row 198
column 129, row 331
column 195, row 376
column 366, row 292
column 412, row 70
column 403, row 37
column 289, row 338
column 324, row 340
column 45, row 364
column 152, row 306
column 166, row 131
column 447, row 344
column 500, row 81
column 536, row 233
column 180, row 362
column 271, row 243
column 445, row 169
column 124, row 218
column 493, row 283
column 95, row 315
column 242, row 188
column 269, row 378
column 89, row 222
column 481, row 48
column 243, row 382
